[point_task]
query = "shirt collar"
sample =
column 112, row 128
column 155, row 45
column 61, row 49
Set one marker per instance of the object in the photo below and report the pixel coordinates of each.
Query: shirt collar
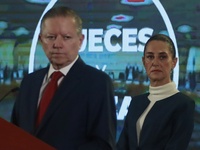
column 64, row 70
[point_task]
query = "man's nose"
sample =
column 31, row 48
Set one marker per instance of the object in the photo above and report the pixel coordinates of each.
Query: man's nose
column 58, row 42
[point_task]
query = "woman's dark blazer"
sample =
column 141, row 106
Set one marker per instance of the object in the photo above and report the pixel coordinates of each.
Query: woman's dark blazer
column 167, row 126
column 81, row 115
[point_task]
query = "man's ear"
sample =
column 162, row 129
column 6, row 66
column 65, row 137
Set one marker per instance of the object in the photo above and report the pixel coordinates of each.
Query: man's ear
column 39, row 38
column 81, row 39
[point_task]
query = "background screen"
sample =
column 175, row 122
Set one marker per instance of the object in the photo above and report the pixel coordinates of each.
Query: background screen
column 115, row 33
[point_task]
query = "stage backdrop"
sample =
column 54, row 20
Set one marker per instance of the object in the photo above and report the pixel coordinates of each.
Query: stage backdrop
column 115, row 33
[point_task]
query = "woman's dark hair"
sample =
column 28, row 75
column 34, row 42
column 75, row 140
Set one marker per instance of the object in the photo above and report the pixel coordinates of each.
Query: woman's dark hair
column 164, row 38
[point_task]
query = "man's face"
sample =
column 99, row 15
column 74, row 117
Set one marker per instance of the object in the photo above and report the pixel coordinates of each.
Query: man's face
column 158, row 62
column 60, row 40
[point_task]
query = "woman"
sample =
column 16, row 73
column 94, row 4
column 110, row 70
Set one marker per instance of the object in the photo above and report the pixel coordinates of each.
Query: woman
column 163, row 118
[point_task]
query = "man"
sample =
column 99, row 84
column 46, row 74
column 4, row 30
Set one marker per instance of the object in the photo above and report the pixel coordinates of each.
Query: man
column 81, row 115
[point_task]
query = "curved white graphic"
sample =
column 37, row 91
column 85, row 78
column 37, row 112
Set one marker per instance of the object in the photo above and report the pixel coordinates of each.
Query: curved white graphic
column 35, row 38
column 171, row 34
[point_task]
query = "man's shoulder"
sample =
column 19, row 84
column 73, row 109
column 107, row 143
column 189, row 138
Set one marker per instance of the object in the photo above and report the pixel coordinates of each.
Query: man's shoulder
column 94, row 72
column 36, row 73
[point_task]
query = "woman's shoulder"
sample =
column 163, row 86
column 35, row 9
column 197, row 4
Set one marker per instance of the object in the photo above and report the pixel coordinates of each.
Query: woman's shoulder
column 140, row 99
column 141, row 96
column 184, row 99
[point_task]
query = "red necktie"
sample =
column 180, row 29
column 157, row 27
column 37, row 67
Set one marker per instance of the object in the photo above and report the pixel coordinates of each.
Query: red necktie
column 47, row 95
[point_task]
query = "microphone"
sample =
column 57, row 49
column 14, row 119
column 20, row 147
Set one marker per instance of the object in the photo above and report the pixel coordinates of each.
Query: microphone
column 11, row 91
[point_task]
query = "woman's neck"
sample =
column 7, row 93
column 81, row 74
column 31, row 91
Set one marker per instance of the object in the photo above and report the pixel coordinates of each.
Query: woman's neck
column 162, row 92
column 155, row 83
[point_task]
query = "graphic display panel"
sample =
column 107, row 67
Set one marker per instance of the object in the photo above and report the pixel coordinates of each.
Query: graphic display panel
column 115, row 34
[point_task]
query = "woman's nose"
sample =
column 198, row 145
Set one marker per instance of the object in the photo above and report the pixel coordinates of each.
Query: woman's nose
column 155, row 61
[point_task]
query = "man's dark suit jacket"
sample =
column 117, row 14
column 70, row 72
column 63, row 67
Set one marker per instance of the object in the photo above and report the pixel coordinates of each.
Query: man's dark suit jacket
column 81, row 115
column 167, row 126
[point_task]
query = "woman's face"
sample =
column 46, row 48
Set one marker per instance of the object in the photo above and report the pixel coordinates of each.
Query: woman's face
column 158, row 62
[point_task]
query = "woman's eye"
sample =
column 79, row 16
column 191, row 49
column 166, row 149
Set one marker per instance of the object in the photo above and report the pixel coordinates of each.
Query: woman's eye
column 163, row 57
column 150, row 57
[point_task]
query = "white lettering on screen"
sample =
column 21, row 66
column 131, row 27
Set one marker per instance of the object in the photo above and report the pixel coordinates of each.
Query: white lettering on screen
column 96, row 39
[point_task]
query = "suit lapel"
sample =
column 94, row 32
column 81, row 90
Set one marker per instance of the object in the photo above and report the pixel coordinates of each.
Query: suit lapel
column 38, row 79
column 70, row 81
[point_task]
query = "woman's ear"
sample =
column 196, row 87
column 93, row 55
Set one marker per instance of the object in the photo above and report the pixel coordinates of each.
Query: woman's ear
column 174, row 62
column 143, row 61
